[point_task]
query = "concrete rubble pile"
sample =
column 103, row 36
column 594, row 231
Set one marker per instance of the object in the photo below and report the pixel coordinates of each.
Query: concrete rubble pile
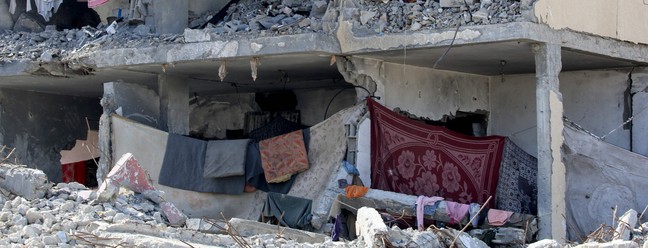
column 128, row 211
column 52, row 45
column 398, row 16
column 268, row 17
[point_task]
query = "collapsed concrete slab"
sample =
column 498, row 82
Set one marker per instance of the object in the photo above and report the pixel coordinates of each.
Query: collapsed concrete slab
column 25, row 182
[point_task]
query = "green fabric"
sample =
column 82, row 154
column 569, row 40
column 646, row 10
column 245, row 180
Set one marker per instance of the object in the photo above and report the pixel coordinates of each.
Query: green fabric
column 296, row 211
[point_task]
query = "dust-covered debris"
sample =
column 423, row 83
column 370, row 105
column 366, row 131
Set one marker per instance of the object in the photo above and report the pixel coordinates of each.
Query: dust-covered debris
column 397, row 16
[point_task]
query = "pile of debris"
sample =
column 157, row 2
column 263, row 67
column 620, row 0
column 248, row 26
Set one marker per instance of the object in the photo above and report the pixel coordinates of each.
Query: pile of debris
column 52, row 45
column 127, row 210
column 398, row 16
column 267, row 17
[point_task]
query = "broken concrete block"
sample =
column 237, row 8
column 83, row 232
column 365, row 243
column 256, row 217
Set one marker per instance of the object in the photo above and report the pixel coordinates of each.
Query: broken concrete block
column 627, row 222
column 507, row 235
column 196, row 35
column 26, row 182
column 250, row 228
column 33, row 215
column 319, row 9
column 29, row 22
column 454, row 3
column 201, row 225
column 365, row 16
column 370, row 226
column 173, row 214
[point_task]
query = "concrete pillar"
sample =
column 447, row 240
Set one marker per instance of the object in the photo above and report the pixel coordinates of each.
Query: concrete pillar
column 551, row 169
column 174, row 104
column 169, row 16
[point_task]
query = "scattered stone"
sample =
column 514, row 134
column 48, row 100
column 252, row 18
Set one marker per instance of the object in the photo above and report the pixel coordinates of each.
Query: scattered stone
column 30, row 232
column 142, row 30
column 318, row 9
column 415, row 26
column 365, row 16
column 33, row 215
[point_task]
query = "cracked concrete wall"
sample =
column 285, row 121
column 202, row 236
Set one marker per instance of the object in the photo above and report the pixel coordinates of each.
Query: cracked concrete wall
column 623, row 19
column 423, row 92
column 40, row 125
column 592, row 99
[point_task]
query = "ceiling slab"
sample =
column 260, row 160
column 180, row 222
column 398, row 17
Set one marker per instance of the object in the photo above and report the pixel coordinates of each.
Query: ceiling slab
column 308, row 70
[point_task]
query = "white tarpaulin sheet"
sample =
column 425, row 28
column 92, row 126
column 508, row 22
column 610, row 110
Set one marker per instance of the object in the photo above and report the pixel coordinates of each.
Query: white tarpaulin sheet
column 600, row 177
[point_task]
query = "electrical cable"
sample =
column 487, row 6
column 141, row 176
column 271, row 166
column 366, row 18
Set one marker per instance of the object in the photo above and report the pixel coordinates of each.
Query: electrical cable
column 449, row 47
column 343, row 89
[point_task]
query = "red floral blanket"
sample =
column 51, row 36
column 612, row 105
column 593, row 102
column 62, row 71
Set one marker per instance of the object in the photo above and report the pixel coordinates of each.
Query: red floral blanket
column 417, row 159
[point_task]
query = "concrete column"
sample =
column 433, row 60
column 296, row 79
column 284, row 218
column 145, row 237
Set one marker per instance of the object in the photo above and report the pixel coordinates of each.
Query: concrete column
column 174, row 104
column 551, row 169
column 169, row 16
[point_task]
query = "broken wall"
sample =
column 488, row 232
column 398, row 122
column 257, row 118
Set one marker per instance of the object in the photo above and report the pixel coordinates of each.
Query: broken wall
column 592, row 99
column 420, row 91
column 601, row 177
column 40, row 125
column 623, row 19
column 639, row 124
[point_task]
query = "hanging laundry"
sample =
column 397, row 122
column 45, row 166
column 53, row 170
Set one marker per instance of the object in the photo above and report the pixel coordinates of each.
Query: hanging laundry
column 418, row 159
column 254, row 170
column 225, row 158
column 283, row 156
column 517, row 189
column 337, row 228
column 474, row 210
column 96, row 3
column 46, row 7
column 290, row 211
column 183, row 164
column 421, row 203
column 456, row 211
column 355, row 191
column 498, row 217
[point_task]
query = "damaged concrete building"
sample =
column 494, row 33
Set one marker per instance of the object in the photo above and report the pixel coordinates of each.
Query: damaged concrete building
column 84, row 82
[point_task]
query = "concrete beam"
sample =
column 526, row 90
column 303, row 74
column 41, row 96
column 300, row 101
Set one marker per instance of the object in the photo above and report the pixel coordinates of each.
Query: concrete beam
column 174, row 104
column 352, row 43
column 551, row 170
column 208, row 50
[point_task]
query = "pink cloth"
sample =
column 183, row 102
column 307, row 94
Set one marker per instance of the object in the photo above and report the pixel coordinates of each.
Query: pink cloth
column 96, row 3
column 456, row 211
column 421, row 202
column 498, row 217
